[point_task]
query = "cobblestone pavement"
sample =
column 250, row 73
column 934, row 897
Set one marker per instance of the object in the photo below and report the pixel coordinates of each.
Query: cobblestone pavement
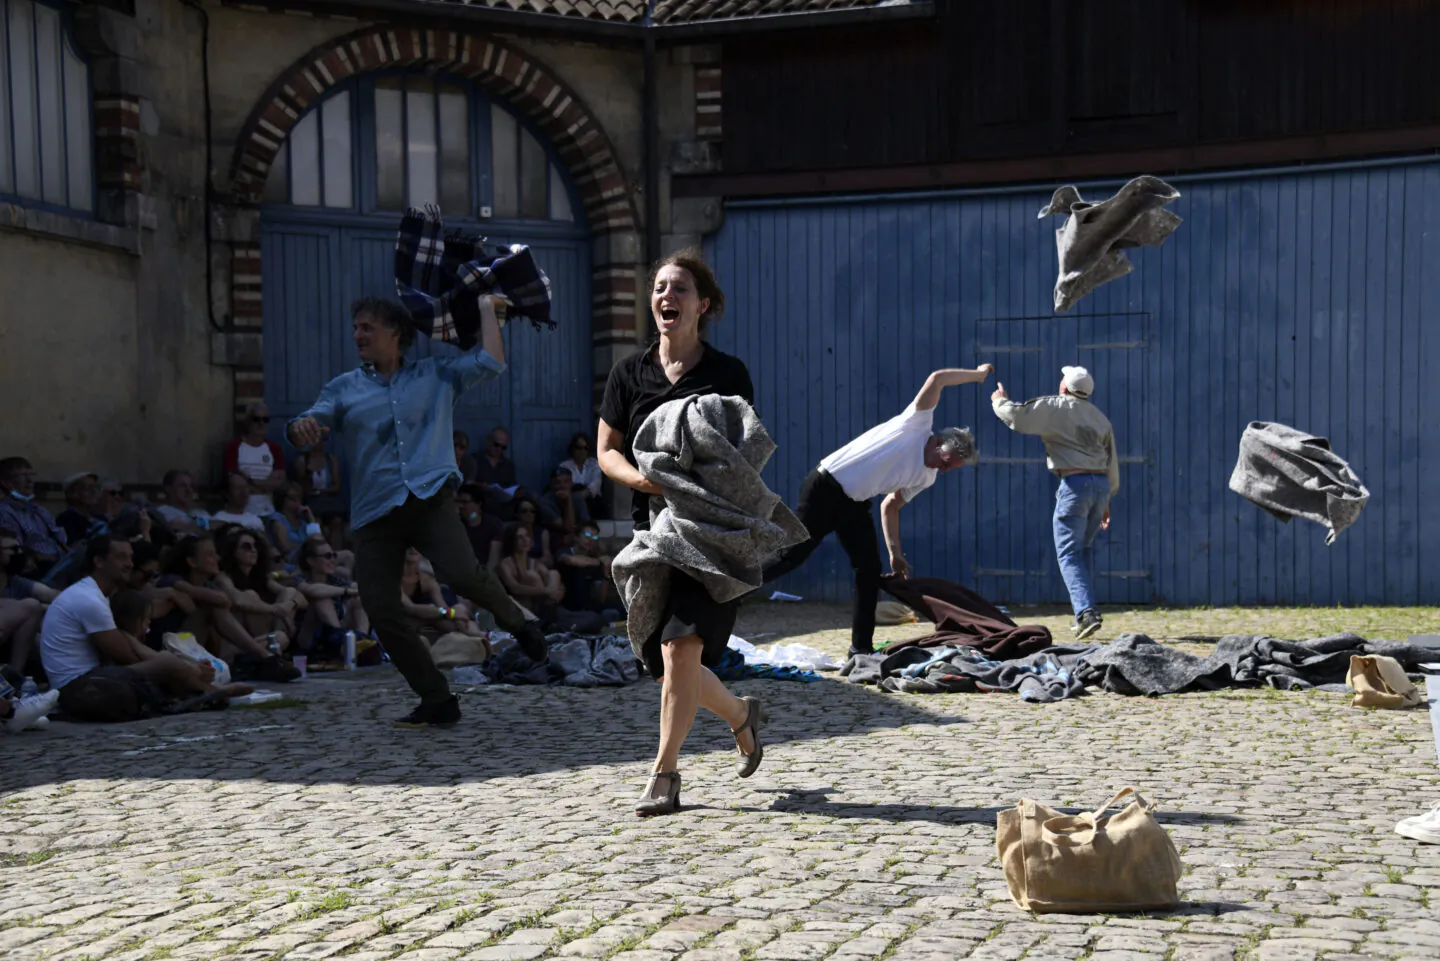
column 315, row 830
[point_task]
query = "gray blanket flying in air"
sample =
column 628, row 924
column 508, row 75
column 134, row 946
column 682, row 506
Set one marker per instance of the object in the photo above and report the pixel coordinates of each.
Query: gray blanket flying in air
column 1135, row 664
column 717, row 522
column 1294, row 474
column 1092, row 240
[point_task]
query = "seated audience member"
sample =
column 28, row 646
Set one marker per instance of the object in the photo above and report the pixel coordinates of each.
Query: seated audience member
column 529, row 581
column 292, row 522
column 259, row 460
column 112, row 501
column 464, row 460
column 525, row 514
column 42, row 539
column 193, row 569
column 132, row 613
column 180, row 510
column 81, row 517
column 584, row 473
column 427, row 604
column 484, row 529
column 334, row 599
column 168, row 607
column 235, row 509
column 22, row 607
column 80, row 642
column 317, row 471
column 585, row 572
column 560, row 510
column 261, row 602
column 495, row 473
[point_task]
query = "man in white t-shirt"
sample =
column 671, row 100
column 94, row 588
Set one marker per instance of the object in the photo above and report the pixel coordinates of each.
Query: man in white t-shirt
column 900, row 458
column 79, row 639
column 257, row 458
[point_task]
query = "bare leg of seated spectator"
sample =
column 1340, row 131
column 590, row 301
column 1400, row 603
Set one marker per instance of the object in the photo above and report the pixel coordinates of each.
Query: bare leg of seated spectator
column 233, row 637
column 356, row 619
column 19, row 624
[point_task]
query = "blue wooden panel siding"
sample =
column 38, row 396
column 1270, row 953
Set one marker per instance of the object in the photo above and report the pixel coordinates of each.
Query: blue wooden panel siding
column 316, row 260
column 1305, row 297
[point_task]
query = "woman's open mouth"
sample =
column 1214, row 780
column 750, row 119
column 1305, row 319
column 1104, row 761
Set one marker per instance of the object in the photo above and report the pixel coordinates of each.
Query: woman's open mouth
column 669, row 313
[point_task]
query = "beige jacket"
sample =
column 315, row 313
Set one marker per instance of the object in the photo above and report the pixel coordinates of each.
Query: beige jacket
column 1076, row 435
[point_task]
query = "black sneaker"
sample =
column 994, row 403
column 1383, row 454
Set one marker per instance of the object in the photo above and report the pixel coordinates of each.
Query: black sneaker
column 444, row 714
column 856, row 650
column 1086, row 624
column 532, row 642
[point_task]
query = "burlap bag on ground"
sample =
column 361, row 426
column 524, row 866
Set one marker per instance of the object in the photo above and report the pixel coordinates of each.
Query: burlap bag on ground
column 1380, row 681
column 1086, row 863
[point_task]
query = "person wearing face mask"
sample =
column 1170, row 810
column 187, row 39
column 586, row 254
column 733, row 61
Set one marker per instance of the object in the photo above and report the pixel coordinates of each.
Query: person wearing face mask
column 43, row 540
column 695, row 629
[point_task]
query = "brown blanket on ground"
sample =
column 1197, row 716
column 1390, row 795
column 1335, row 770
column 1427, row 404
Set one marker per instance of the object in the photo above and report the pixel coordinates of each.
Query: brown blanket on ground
column 963, row 618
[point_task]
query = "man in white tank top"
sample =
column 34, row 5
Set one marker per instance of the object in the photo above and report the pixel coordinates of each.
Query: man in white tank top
column 899, row 459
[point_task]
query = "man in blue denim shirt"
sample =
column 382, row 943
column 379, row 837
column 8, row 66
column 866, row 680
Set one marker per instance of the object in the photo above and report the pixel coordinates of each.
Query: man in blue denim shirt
column 395, row 420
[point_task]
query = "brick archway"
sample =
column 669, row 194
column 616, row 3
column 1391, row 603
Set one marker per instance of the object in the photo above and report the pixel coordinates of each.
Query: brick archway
column 510, row 75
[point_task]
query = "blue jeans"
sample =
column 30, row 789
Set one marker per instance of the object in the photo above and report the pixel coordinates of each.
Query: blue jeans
column 1080, row 504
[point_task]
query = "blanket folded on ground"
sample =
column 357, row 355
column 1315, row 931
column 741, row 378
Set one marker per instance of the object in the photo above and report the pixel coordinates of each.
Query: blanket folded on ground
column 1092, row 240
column 1042, row 677
column 1135, row 664
column 717, row 521
column 441, row 280
column 1290, row 473
column 574, row 661
column 963, row 619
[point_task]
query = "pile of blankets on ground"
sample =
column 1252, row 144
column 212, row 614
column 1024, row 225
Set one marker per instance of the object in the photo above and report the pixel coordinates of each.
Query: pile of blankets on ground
column 977, row 647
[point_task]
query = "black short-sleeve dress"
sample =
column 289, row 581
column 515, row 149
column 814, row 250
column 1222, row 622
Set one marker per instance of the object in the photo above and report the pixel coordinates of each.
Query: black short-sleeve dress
column 637, row 386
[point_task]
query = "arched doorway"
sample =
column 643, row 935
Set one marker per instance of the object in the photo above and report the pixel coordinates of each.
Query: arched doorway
column 351, row 164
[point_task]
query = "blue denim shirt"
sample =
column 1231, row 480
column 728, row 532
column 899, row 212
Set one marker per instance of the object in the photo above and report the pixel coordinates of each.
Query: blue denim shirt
column 398, row 435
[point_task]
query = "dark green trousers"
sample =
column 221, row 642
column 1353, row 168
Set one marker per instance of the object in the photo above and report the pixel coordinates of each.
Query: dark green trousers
column 433, row 528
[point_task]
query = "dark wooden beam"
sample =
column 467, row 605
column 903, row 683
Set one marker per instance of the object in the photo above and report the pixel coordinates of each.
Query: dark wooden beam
column 1255, row 153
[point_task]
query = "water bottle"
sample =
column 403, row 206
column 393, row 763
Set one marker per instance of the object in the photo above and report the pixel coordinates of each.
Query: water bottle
column 349, row 650
column 272, row 644
column 29, row 688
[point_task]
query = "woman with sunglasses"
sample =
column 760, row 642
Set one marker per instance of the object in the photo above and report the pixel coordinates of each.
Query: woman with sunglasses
column 695, row 628
column 334, row 599
column 585, row 472
column 246, row 577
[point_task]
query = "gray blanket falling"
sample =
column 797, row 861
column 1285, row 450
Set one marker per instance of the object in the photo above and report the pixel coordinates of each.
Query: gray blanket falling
column 1294, row 474
column 1092, row 241
column 717, row 521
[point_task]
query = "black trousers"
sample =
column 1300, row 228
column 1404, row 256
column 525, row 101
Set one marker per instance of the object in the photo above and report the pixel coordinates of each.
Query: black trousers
column 824, row 508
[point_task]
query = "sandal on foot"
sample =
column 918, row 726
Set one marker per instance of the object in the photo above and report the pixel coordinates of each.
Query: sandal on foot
column 662, row 794
column 753, row 719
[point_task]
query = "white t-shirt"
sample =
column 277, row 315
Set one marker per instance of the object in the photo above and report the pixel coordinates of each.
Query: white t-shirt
column 247, row 520
column 257, row 463
column 66, row 649
column 885, row 459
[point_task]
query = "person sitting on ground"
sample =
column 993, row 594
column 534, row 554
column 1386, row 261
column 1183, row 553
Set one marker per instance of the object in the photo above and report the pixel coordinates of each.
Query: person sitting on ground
column 585, row 572
column 81, row 518
column 81, row 642
column 484, row 529
column 561, row 511
column 42, row 539
column 259, row 460
column 464, row 460
column 236, row 508
column 334, row 600
column 180, row 510
column 168, row 607
column 585, row 473
column 132, row 612
column 526, row 512
column 317, row 471
column 292, row 522
column 529, row 581
column 22, row 607
column 427, row 605
column 193, row 569
column 495, row 472
column 259, row 600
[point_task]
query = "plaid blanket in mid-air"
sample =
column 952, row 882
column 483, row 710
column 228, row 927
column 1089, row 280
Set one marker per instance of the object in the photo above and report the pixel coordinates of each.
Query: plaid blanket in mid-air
column 440, row 280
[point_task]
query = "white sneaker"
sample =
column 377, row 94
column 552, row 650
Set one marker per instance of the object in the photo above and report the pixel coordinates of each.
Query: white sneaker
column 1423, row 827
column 30, row 710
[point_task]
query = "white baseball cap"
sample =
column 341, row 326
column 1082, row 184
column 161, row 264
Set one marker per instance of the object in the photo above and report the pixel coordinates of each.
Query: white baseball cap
column 1077, row 380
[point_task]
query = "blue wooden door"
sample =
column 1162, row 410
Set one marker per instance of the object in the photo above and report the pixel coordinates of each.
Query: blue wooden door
column 1302, row 297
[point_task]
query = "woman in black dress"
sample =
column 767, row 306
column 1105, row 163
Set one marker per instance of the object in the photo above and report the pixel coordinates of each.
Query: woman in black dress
column 684, row 298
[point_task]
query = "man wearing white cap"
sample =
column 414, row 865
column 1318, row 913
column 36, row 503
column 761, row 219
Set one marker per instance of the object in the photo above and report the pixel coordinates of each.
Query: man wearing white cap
column 1080, row 450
